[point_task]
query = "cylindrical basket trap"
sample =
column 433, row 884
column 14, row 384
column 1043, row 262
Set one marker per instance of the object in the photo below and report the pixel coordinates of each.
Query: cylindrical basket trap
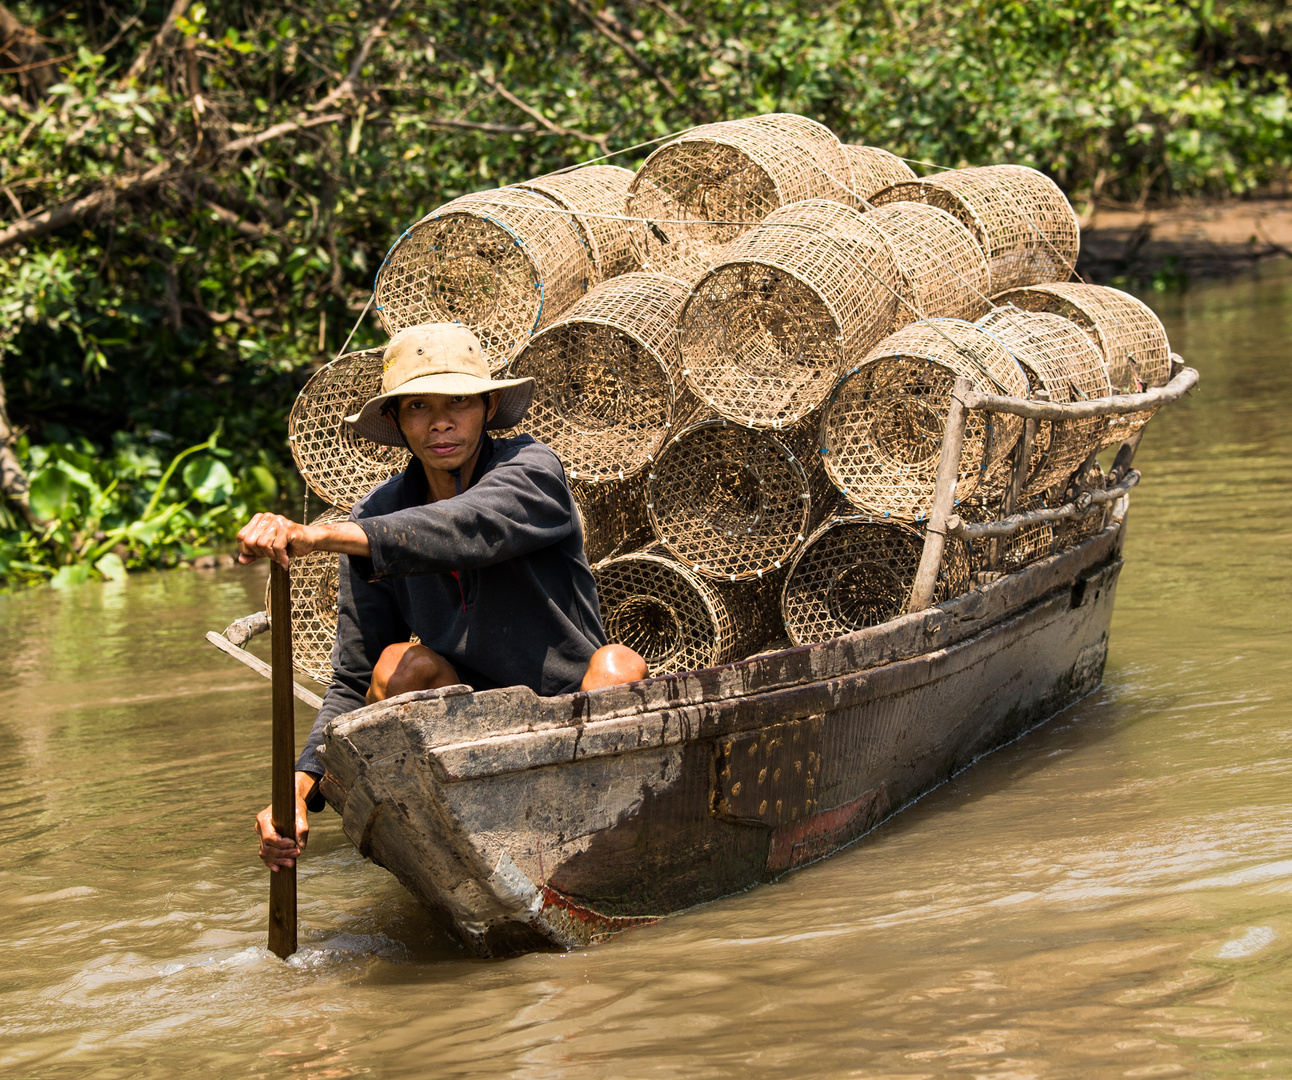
column 678, row 620
column 595, row 196
column 881, row 434
column 767, row 332
column 715, row 182
column 1020, row 217
column 1058, row 357
column 314, row 583
column 733, row 502
column 873, row 169
column 504, row 263
column 943, row 268
column 607, row 376
column 856, row 572
column 1125, row 330
column 613, row 517
column 339, row 465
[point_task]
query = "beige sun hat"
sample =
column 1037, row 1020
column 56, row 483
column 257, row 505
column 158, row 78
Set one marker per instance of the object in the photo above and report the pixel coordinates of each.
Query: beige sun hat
column 437, row 358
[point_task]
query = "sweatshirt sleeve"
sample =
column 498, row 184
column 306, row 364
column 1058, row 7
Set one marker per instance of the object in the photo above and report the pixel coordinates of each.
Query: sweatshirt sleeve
column 367, row 620
column 521, row 505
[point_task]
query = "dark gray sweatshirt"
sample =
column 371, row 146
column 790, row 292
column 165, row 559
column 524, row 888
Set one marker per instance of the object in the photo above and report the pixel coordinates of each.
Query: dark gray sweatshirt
column 494, row 580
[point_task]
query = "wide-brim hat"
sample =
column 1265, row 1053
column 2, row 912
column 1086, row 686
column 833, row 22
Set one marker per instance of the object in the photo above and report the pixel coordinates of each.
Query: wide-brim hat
column 437, row 358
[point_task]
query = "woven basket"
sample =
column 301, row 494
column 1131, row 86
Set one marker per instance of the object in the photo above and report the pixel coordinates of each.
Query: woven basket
column 735, row 503
column 613, row 517
column 1056, row 356
column 607, row 377
column 678, row 620
column 1020, row 217
column 881, row 434
column 314, row 582
column 340, row 466
column 943, row 269
column 873, row 169
column 1125, row 330
column 710, row 185
column 856, row 572
column 765, row 334
column 504, row 263
column 595, row 196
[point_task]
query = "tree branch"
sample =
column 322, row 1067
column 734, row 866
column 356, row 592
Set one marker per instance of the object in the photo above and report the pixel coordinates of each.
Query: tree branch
column 13, row 480
column 600, row 26
column 528, row 110
column 31, row 59
column 145, row 59
column 346, row 87
column 74, row 210
column 236, row 221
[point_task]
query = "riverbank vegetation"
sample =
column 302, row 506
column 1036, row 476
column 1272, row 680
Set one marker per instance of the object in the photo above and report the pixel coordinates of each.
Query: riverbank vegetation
column 194, row 197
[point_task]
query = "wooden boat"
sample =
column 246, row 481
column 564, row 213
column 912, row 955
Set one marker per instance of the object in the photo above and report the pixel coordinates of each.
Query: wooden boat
column 523, row 822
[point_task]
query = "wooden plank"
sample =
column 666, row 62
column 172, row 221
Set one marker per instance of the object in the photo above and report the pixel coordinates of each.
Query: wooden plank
column 944, row 490
column 260, row 667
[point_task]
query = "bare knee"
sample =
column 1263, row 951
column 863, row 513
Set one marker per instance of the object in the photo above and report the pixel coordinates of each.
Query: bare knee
column 613, row 664
column 405, row 666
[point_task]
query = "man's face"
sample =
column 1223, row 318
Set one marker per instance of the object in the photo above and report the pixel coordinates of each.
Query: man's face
column 443, row 431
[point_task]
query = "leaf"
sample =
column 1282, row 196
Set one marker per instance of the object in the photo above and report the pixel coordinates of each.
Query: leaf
column 49, row 493
column 111, row 567
column 264, row 480
column 209, row 479
column 76, row 574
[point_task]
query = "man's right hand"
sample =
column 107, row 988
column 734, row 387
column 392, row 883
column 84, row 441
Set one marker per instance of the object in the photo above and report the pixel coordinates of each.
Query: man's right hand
column 280, row 851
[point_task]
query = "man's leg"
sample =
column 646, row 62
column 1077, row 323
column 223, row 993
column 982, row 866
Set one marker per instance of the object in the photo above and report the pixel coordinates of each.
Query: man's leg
column 611, row 665
column 404, row 667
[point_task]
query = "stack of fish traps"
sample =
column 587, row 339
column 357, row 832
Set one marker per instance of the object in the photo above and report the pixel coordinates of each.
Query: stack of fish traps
column 744, row 354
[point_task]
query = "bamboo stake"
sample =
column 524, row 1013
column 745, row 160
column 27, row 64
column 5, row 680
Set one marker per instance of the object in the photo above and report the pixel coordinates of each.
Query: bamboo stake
column 282, row 885
column 926, row 576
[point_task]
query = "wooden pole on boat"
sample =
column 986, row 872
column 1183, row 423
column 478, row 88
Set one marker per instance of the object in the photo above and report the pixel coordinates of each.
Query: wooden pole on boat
column 926, row 576
column 282, row 884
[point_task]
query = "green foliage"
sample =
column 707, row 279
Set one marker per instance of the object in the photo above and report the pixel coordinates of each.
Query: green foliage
column 209, row 296
column 105, row 513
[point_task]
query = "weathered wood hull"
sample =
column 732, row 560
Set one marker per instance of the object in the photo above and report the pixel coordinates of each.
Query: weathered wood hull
column 522, row 822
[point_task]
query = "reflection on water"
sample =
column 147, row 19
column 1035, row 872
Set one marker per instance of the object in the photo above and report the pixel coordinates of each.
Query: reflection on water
column 1109, row 897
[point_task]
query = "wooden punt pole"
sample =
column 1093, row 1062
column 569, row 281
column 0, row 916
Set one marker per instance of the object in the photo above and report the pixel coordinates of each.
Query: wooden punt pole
column 282, row 884
column 926, row 576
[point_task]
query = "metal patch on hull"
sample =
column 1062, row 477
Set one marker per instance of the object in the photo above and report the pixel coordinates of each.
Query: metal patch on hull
column 769, row 777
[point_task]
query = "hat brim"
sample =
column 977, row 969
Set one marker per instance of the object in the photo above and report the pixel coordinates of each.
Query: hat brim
column 513, row 404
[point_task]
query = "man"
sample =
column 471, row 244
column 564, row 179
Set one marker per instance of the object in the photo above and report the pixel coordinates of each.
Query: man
column 475, row 548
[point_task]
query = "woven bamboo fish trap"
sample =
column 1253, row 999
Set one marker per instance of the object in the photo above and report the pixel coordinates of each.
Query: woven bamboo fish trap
column 1006, row 554
column 856, row 572
column 339, row 465
column 595, row 196
column 704, row 189
column 1125, row 330
column 766, row 333
column 607, row 377
column 613, row 517
column 504, row 263
column 873, row 169
column 1058, row 357
column 314, row 584
column 678, row 620
column 943, row 268
column 881, row 434
column 1020, row 217
column 735, row 503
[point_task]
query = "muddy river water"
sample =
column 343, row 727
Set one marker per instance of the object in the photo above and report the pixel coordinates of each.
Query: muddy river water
column 1111, row 896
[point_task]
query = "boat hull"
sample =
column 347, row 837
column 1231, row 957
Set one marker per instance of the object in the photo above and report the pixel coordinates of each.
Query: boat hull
column 523, row 823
